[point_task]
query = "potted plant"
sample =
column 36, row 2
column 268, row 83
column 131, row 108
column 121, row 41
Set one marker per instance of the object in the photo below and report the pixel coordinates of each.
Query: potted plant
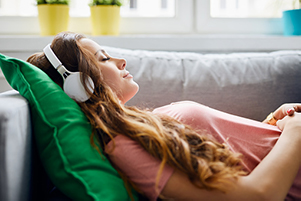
column 105, row 17
column 53, row 16
column 291, row 20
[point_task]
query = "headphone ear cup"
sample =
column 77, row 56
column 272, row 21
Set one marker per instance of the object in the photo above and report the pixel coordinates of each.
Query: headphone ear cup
column 74, row 88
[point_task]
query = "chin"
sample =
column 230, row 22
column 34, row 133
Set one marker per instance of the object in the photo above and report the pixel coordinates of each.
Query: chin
column 137, row 88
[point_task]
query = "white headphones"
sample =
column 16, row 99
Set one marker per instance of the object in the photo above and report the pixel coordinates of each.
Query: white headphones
column 73, row 86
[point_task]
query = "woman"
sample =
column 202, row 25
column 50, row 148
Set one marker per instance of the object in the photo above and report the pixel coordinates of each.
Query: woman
column 187, row 155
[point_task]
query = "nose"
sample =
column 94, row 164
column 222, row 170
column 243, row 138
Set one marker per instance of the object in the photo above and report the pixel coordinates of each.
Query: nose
column 121, row 63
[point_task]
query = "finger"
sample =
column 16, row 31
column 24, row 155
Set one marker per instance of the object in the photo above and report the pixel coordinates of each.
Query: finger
column 290, row 111
column 280, row 124
column 297, row 107
column 280, row 113
column 287, row 110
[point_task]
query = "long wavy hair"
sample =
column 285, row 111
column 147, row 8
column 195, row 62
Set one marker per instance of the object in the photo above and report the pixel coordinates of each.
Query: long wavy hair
column 207, row 163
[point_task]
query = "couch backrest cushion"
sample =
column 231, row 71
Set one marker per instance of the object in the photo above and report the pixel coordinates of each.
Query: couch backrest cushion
column 246, row 84
column 62, row 132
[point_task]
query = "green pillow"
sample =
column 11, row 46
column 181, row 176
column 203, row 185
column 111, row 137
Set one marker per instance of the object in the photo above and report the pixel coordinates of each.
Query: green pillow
column 62, row 133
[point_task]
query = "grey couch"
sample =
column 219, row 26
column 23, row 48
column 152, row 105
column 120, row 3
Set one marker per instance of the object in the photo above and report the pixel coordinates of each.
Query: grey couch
column 22, row 176
column 246, row 84
column 15, row 139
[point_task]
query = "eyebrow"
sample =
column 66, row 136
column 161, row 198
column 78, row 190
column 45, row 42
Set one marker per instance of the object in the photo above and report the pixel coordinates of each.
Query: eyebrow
column 100, row 50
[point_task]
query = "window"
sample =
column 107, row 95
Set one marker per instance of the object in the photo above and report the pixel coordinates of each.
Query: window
column 80, row 8
column 240, row 16
column 250, row 8
column 138, row 16
column 17, row 8
column 144, row 8
column 161, row 16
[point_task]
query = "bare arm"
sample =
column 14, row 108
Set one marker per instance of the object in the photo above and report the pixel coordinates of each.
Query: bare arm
column 270, row 180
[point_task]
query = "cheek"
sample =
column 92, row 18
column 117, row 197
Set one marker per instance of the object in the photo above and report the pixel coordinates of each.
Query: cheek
column 112, row 79
column 115, row 86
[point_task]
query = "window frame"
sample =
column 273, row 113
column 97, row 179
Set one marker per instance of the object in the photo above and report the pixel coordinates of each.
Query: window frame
column 180, row 24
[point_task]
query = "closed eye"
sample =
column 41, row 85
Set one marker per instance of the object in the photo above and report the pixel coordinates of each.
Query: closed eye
column 106, row 59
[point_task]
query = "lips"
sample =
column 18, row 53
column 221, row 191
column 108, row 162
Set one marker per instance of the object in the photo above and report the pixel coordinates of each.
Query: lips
column 127, row 75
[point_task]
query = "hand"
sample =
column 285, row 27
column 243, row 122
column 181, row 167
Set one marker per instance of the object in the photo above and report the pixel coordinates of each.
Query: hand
column 292, row 121
column 287, row 109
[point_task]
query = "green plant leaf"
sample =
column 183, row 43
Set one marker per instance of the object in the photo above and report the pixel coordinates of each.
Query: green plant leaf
column 63, row 2
column 105, row 2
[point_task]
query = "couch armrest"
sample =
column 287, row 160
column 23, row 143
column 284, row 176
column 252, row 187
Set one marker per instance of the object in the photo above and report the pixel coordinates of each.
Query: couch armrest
column 15, row 147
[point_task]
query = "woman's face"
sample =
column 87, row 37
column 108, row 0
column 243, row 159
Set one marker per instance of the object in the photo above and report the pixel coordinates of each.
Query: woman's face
column 113, row 71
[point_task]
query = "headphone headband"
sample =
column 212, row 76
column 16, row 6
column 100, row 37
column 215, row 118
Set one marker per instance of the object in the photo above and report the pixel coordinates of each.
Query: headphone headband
column 73, row 86
column 52, row 57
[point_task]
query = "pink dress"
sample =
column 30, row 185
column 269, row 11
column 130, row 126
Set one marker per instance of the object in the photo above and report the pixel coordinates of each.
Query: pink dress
column 251, row 138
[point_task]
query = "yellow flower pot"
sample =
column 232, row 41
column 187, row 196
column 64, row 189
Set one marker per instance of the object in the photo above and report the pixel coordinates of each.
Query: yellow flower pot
column 53, row 18
column 105, row 19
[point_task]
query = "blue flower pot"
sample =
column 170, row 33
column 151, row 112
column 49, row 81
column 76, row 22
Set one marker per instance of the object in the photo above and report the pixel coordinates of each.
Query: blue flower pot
column 291, row 20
